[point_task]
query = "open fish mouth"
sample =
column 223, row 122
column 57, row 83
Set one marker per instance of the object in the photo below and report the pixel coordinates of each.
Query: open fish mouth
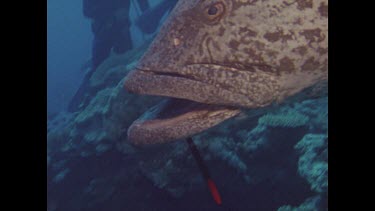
column 173, row 118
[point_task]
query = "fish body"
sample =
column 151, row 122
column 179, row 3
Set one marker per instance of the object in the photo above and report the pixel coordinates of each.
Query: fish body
column 231, row 55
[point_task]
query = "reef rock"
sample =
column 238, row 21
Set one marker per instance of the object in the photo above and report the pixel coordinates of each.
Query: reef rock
column 313, row 162
column 311, row 204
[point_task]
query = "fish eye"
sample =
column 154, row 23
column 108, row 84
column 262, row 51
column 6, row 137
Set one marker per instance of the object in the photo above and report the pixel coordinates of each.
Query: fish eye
column 215, row 11
column 212, row 10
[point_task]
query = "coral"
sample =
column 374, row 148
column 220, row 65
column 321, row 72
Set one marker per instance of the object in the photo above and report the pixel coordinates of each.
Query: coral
column 310, row 113
column 219, row 149
column 317, row 110
column 108, row 77
column 95, row 136
column 288, row 119
column 58, row 165
column 59, row 121
column 56, row 139
column 102, row 123
column 312, row 163
column 61, row 175
column 98, row 106
column 254, row 139
column 319, row 122
column 125, row 148
column 310, row 204
column 58, row 135
column 99, row 189
column 101, row 148
column 160, row 178
column 85, row 154
column 165, row 177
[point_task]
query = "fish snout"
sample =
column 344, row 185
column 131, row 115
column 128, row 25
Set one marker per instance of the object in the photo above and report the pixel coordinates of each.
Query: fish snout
column 131, row 82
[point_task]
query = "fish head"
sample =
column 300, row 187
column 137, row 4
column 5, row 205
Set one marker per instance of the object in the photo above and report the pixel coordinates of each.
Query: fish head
column 236, row 53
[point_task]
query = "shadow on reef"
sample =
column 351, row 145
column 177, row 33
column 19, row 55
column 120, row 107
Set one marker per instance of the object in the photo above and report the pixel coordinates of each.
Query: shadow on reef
column 112, row 182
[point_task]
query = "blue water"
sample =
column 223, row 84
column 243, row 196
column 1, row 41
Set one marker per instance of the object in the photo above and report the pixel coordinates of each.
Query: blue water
column 256, row 165
column 69, row 40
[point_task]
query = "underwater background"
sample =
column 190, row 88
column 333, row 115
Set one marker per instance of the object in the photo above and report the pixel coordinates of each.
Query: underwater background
column 272, row 161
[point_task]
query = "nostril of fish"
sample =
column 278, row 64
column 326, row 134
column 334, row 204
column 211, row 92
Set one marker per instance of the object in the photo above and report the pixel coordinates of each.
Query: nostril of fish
column 176, row 41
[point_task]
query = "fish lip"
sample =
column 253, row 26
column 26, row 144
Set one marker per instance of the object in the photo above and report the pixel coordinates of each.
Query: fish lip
column 230, row 66
column 141, row 80
column 178, row 75
column 175, row 74
column 161, row 73
column 156, row 125
column 194, row 77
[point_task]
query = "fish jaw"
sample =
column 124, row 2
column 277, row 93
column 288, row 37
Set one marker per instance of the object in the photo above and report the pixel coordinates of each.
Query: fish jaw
column 160, row 125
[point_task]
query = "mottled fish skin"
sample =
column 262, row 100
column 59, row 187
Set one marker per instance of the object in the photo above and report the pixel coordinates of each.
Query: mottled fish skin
column 250, row 54
column 254, row 53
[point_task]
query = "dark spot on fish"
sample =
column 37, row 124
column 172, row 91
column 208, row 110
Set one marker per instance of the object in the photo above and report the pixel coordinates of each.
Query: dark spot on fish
column 322, row 50
column 310, row 65
column 243, row 29
column 252, row 54
column 231, row 23
column 303, row 4
column 286, row 65
column 221, row 31
column 237, row 4
column 276, row 8
column 273, row 12
column 259, row 45
column 276, row 36
column 298, row 21
column 301, row 50
column 266, row 68
column 313, row 35
column 234, row 44
column 323, row 10
column 272, row 36
column 190, row 59
column 247, row 32
column 250, row 16
column 272, row 54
